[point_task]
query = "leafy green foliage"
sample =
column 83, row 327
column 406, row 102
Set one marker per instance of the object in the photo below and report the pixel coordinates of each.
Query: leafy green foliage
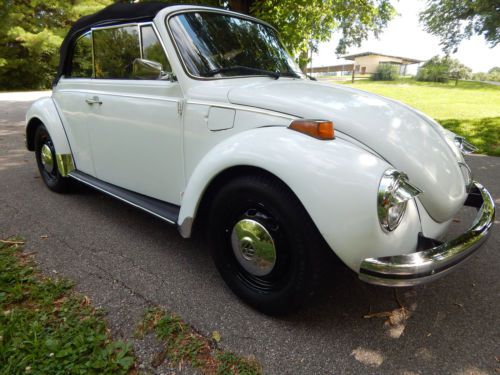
column 455, row 20
column 492, row 75
column 441, row 69
column 31, row 33
column 115, row 49
column 385, row 72
column 305, row 23
column 46, row 329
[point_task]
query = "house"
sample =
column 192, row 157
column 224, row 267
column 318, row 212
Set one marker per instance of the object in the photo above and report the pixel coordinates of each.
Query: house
column 363, row 63
column 367, row 62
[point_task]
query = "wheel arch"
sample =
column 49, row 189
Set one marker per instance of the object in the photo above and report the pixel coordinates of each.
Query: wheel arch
column 224, row 177
column 31, row 127
column 44, row 111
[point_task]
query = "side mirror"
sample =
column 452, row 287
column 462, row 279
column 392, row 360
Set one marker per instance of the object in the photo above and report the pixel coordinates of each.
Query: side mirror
column 148, row 69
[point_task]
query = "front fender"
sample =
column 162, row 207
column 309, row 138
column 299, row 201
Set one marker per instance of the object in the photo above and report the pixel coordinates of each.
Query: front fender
column 45, row 111
column 336, row 181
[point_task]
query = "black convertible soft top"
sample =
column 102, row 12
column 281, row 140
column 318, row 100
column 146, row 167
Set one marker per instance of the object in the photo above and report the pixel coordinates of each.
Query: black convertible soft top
column 115, row 13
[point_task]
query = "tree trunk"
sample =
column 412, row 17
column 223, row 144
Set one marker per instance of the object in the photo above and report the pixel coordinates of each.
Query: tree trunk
column 303, row 60
column 242, row 6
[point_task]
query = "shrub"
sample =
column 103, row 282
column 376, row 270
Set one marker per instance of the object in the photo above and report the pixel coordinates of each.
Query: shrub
column 492, row 75
column 441, row 69
column 386, row 72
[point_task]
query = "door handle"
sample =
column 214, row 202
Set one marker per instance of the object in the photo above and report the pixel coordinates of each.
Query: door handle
column 93, row 100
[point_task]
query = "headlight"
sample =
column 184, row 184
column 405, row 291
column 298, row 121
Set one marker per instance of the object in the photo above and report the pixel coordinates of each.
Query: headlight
column 464, row 146
column 393, row 195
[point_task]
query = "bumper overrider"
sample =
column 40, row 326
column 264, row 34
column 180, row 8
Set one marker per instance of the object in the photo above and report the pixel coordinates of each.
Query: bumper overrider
column 425, row 265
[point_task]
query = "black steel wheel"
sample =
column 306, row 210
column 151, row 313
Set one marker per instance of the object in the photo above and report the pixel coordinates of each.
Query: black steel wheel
column 46, row 161
column 264, row 243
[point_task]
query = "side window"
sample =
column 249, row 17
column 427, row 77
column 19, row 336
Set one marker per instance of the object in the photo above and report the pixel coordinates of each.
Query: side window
column 81, row 62
column 152, row 49
column 115, row 50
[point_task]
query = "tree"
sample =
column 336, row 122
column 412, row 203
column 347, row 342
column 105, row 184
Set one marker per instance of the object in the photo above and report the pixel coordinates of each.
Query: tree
column 455, row 20
column 457, row 70
column 492, row 75
column 31, row 33
column 441, row 69
column 305, row 23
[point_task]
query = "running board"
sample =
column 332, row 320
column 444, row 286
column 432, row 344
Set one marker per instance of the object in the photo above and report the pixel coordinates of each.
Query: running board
column 165, row 211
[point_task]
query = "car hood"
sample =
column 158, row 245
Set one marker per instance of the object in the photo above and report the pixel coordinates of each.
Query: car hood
column 408, row 140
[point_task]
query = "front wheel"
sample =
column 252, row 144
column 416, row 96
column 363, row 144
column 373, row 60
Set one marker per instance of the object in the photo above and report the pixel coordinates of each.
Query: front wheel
column 264, row 243
column 46, row 160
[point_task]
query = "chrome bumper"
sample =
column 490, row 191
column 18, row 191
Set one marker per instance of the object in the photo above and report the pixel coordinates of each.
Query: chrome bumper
column 426, row 265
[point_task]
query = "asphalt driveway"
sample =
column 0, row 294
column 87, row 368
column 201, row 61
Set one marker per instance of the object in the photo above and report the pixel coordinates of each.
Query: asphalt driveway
column 126, row 260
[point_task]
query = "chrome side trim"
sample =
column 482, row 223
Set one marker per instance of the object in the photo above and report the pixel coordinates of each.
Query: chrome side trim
column 76, row 177
column 424, row 266
column 65, row 164
column 108, row 93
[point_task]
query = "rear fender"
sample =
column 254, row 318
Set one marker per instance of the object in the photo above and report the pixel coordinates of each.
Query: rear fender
column 44, row 111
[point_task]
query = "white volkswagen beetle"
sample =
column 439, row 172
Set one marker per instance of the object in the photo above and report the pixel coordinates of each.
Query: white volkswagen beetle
column 199, row 115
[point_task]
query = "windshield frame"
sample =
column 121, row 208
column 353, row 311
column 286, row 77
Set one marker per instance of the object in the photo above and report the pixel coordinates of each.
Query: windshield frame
column 225, row 13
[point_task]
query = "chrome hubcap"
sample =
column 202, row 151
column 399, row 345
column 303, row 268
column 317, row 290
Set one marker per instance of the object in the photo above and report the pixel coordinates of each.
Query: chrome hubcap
column 253, row 247
column 47, row 159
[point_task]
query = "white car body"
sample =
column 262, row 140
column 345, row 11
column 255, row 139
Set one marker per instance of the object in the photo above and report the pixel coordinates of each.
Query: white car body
column 177, row 136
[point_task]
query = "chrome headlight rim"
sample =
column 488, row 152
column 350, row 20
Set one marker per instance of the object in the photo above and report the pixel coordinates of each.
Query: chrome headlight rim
column 393, row 194
column 465, row 147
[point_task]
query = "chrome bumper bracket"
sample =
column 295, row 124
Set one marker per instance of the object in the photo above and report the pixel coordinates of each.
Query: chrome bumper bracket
column 424, row 266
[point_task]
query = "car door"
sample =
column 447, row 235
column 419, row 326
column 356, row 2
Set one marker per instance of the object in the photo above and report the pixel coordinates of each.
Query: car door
column 69, row 98
column 134, row 120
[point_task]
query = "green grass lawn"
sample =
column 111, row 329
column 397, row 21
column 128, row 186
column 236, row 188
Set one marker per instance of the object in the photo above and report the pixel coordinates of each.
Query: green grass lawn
column 46, row 328
column 471, row 109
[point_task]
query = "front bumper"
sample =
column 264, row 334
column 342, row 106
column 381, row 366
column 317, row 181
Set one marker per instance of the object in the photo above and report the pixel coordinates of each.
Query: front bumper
column 426, row 265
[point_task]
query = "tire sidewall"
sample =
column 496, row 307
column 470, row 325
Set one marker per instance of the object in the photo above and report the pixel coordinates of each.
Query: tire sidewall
column 284, row 208
column 56, row 182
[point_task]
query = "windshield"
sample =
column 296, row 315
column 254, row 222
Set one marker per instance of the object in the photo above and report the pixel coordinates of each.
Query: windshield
column 218, row 45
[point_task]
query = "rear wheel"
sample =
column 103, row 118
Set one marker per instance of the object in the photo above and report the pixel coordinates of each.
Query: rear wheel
column 46, row 161
column 264, row 244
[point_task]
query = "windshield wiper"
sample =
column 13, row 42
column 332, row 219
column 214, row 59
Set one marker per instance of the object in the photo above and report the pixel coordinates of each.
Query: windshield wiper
column 241, row 68
column 290, row 73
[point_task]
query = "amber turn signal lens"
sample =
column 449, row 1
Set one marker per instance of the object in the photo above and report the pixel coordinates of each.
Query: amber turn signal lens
column 319, row 129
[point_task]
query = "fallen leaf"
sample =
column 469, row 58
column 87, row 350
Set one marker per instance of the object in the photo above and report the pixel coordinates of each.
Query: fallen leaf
column 216, row 336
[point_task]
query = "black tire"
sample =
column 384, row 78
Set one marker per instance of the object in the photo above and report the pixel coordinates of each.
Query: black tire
column 50, row 176
column 297, row 243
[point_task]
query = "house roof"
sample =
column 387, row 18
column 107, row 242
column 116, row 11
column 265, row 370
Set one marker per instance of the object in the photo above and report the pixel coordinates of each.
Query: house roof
column 406, row 60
